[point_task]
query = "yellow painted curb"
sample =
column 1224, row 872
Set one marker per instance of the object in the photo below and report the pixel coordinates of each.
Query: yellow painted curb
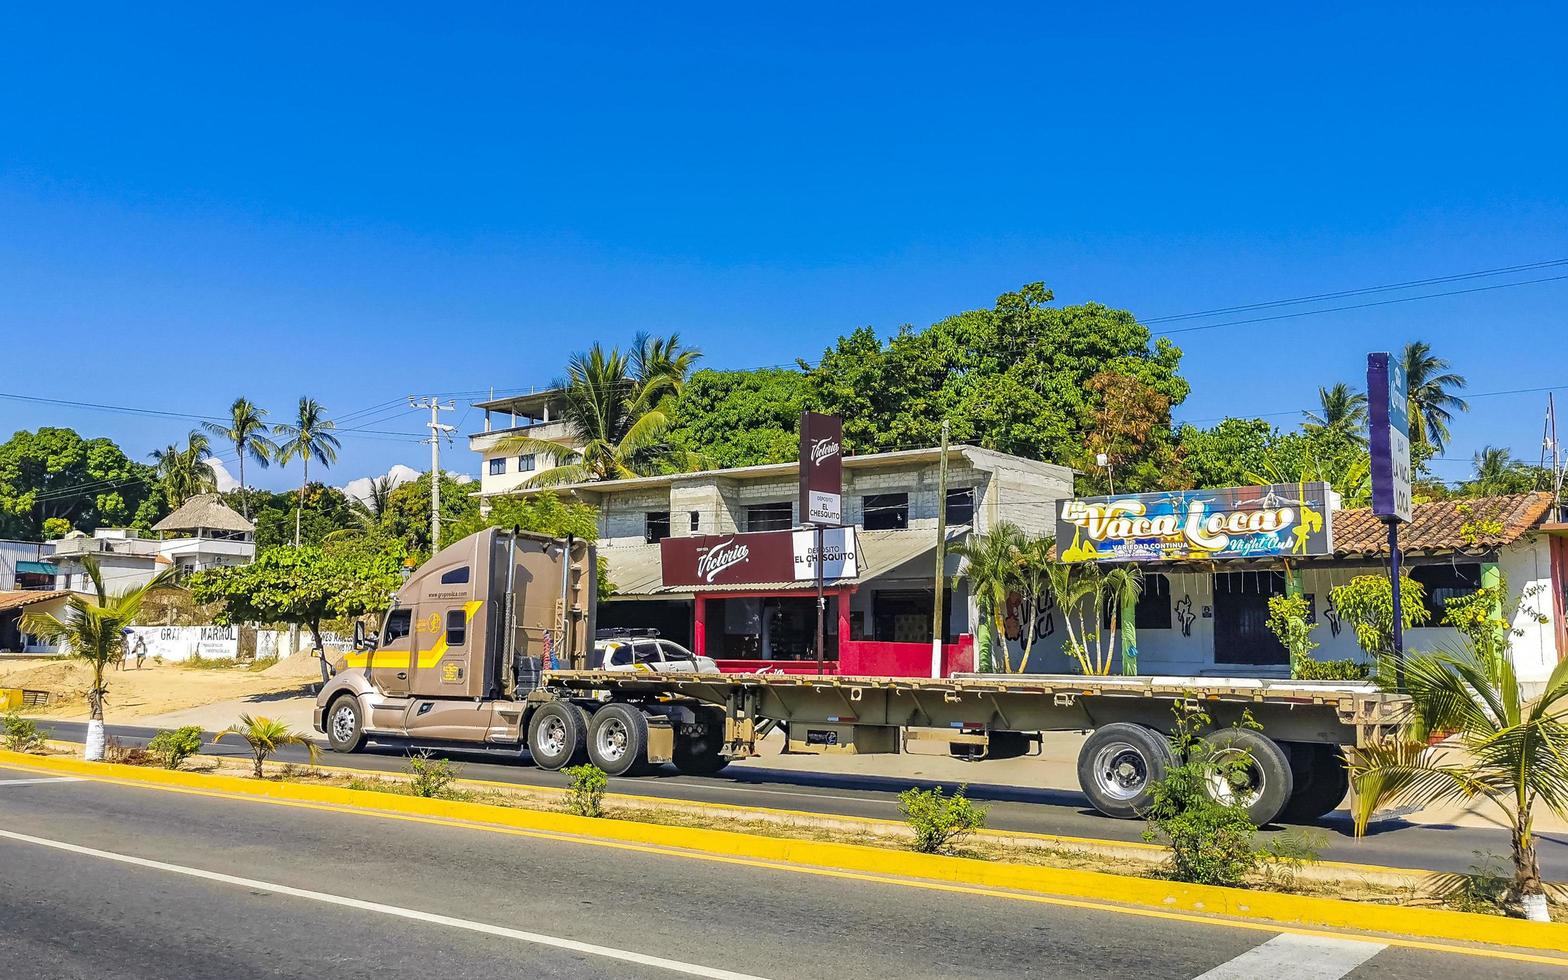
column 1293, row 910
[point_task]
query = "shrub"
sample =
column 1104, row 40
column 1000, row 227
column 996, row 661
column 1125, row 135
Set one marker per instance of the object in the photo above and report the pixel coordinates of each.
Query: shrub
column 585, row 794
column 1331, row 670
column 1287, row 852
column 940, row 822
column 174, row 746
column 126, row 755
column 1212, row 843
column 432, row 778
column 20, row 734
column 1288, row 621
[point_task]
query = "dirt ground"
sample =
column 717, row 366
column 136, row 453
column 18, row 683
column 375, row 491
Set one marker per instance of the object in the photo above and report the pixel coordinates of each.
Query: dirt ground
column 156, row 689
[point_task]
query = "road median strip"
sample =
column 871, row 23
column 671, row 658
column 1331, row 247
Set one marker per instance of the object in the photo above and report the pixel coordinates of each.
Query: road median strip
column 1085, row 887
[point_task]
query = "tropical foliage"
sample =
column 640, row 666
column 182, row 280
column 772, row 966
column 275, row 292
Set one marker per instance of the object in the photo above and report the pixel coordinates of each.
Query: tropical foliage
column 990, row 562
column 247, row 431
column 266, row 736
column 616, row 407
column 1431, row 391
column 1343, row 413
column 54, row 475
column 1366, row 604
column 308, row 437
column 1092, row 599
column 183, row 471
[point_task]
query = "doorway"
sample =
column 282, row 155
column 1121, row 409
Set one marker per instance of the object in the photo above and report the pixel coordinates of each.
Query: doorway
column 1241, row 613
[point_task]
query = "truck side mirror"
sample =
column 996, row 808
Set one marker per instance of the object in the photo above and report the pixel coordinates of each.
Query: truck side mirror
column 364, row 640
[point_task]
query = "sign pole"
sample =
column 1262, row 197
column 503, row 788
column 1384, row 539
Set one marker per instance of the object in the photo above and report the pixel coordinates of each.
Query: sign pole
column 821, row 608
column 1399, row 617
column 941, row 559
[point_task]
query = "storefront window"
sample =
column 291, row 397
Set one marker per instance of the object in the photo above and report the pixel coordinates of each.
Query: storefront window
column 1444, row 582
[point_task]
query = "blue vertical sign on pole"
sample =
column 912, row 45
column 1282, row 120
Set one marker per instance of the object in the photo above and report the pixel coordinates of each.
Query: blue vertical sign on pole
column 1388, row 403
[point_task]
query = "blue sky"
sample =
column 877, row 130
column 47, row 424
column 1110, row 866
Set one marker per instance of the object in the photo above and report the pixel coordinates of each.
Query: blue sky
column 362, row 203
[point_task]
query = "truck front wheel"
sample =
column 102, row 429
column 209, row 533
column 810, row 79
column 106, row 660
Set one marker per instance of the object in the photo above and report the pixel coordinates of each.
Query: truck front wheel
column 345, row 729
column 557, row 735
column 618, row 739
column 1119, row 765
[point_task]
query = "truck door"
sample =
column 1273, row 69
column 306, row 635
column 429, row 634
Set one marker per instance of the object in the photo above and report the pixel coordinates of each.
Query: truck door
column 391, row 662
column 444, row 660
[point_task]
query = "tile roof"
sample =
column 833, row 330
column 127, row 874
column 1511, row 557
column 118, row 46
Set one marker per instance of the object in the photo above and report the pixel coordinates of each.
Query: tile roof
column 1441, row 525
column 16, row 600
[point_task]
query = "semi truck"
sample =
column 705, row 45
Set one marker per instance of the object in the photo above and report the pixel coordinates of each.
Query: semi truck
column 490, row 642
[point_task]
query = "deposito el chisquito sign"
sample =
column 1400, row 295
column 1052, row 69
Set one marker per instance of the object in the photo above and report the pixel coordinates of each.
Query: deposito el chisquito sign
column 1239, row 522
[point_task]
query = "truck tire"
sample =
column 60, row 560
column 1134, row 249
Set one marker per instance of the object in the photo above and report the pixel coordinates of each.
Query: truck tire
column 698, row 755
column 1263, row 785
column 558, row 735
column 1119, row 765
column 345, row 724
column 1320, row 782
column 618, row 740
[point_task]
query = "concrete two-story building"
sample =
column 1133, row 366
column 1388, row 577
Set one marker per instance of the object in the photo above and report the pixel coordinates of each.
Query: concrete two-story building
column 204, row 532
column 882, row 616
column 535, row 415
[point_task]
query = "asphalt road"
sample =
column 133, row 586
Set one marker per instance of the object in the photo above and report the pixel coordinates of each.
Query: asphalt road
column 1393, row 843
column 100, row 880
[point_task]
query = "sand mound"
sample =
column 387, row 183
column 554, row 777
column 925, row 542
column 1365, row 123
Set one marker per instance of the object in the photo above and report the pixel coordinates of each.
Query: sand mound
column 301, row 665
column 62, row 678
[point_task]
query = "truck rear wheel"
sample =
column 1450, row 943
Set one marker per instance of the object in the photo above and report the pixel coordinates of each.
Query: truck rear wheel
column 1320, row 781
column 345, row 726
column 618, row 739
column 558, row 735
column 1251, row 770
column 698, row 755
column 1119, row 765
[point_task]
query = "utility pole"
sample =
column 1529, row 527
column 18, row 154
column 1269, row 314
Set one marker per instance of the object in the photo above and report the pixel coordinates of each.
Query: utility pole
column 941, row 558
column 437, row 430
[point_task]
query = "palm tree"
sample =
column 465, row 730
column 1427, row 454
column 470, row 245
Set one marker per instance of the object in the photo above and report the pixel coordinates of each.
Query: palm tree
column 92, row 629
column 370, row 509
column 1432, row 402
column 247, row 430
column 310, row 437
column 1513, row 752
column 1497, row 472
column 990, row 564
column 617, row 411
column 266, row 736
column 1344, row 412
column 183, row 471
column 1035, row 558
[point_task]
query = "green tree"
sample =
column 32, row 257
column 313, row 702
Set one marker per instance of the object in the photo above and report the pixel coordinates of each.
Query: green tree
column 1014, row 378
column 1226, row 454
column 247, row 431
column 370, row 509
column 93, row 630
column 740, row 418
column 1514, row 753
column 308, row 437
column 54, row 473
column 1432, row 402
column 304, row 586
column 326, row 511
column 407, row 514
column 990, row 564
column 1495, row 471
column 616, row 407
column 545, row 512
column 183, row 471
column 1342, row 412
column 1366, row 604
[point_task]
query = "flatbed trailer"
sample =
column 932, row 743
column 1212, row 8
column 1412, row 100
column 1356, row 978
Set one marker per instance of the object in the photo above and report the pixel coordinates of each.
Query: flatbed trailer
column 468, row 655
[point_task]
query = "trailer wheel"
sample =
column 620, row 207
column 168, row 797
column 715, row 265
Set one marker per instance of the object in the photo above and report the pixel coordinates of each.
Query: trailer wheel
column 698, row 755
column 345, row 728
column 557, row 735
column 1320, row 779
column 618, row 739
column 1262, row 783
column 1118, row 766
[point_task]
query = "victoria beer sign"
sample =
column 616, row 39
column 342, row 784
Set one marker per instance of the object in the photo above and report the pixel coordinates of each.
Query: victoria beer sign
column 821, row 469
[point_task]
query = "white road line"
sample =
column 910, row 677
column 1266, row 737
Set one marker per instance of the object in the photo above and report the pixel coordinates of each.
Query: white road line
column 538, row 939
column 41, row 779
column 1290, row 957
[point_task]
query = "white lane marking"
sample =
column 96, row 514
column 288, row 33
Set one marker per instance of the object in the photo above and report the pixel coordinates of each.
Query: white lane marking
column 1290, row 957
column 41, row 779
column 538, row 939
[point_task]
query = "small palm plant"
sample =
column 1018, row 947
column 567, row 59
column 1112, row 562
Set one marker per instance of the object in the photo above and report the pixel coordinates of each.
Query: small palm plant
column 92, row 629
column 1513, row 752
column 265, row 737
column 991, row 566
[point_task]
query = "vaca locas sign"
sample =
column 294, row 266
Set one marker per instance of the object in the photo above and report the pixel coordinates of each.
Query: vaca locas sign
column 1240, row 522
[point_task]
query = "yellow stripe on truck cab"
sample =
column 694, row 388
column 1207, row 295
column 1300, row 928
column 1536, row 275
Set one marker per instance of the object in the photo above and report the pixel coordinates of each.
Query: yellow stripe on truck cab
column 427, row 658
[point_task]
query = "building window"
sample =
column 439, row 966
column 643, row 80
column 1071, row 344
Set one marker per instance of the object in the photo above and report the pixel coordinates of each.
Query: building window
column 525, row 464
column 886, row 512
column 456, row 627
column 961, row 506
column 769, row 517
column 656, row 526
column 696, row 521
column 1154, row 604
column 497, row 467
column 1444, row 582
